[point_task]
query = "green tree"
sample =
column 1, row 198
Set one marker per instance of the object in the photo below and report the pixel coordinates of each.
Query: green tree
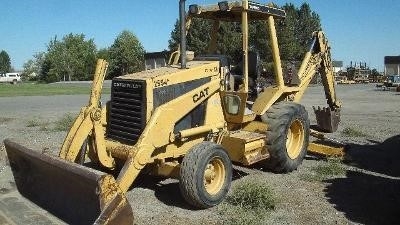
column 5, row 62
column 308, row 22
column 72, row 58
column 174, row 40
column 294, row 35
column 198, row 36
column 33, row 66
column 126, row 55
column 103, row 53
column 287, row 33
column 47, row 73
column 230, row 40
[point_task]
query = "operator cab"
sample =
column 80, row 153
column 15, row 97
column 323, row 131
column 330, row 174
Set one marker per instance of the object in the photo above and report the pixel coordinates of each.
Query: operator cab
column 241, row 87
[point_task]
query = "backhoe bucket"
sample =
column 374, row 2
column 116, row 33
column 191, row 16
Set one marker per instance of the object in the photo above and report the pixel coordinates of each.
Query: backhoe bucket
column 74, row 193
column 327, row 119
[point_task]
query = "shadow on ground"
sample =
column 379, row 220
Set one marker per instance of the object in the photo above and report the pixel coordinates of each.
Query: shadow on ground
column 379, row 157
column 371, row 195
column 169, row 192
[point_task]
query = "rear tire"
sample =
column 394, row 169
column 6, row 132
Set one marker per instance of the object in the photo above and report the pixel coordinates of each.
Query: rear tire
column 205, row 175
column 287, row 136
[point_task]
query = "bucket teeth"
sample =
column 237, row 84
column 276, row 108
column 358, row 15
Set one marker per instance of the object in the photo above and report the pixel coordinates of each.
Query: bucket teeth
column 327, row 119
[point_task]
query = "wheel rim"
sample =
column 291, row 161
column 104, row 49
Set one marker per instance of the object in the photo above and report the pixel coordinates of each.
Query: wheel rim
column 214, row 176
column 295, row 139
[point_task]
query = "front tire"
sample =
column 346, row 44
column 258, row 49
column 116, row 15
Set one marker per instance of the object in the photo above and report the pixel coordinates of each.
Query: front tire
column 205, row 175
column 287, row 136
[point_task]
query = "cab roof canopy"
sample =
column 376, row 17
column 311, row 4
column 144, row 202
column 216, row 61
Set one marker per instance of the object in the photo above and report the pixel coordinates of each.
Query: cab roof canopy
column 232, row 11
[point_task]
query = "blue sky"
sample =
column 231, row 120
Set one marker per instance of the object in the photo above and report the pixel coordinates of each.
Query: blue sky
column 358, row 30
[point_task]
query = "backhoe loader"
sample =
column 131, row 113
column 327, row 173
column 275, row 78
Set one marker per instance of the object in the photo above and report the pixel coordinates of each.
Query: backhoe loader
column 190, row 120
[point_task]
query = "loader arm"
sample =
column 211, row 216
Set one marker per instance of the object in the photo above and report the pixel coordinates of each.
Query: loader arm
column 318, row 58
column 89, row 122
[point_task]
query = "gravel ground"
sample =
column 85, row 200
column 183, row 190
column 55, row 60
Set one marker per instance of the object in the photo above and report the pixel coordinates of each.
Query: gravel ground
column 367, row 193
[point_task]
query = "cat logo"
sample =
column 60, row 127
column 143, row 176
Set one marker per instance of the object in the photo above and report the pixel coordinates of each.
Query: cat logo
column 202, row 94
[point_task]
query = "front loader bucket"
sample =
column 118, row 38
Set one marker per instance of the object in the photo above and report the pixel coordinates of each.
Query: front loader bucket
column 74, row 193
column 327, row 119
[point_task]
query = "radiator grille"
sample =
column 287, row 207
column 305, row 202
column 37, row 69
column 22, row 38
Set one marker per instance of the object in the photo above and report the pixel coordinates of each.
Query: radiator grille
column 127, row 114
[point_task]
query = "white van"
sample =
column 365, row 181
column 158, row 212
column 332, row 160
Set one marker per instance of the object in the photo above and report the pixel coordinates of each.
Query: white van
column 10, row 78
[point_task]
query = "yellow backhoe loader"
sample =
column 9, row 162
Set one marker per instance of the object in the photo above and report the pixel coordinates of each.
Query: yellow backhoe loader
column 190, row 120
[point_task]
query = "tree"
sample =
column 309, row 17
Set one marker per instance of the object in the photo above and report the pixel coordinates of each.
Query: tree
column 126, row 55
column 197, row 37
column 33, row 66
column 103, row 53
column 294, row 35
column 287, row 33
column 308, row 22
column 230, row 40
column 5, row 62
column 72, row 58
column 173, row 42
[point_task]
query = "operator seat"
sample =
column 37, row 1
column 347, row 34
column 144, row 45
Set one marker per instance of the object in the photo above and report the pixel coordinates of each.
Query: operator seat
column 254, row 71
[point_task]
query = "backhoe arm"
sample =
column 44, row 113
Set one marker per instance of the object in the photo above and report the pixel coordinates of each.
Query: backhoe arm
column 318, row 58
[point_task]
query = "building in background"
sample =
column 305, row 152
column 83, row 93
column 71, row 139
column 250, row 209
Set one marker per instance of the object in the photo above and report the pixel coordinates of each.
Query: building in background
column 337, row 66
column 392, row 65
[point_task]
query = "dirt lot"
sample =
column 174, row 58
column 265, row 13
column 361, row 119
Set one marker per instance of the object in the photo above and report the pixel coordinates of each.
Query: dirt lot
column 368, row 192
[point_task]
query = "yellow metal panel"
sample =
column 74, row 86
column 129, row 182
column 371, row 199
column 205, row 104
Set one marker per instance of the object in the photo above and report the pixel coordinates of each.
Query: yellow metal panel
column 245, row 41
column 255, row 152
column 266, row 99
column 194, row 72
column 275, row 52
column 245, row 147
column 166, row 169
column 256, row 126
column 234, row 148
column 214, row 113
column 326, row 150
column 165, row 72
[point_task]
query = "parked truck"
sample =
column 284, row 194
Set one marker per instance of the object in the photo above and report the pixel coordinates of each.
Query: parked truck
column 12, row 78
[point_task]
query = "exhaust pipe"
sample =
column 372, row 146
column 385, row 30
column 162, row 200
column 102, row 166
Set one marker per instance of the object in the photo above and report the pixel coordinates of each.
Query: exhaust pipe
column 182, row 18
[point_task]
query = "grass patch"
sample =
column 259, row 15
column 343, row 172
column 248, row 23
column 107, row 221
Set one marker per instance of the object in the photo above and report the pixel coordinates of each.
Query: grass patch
column 65, row 122
column 248, row 203
column 33, row 123
column 35, row 89
column 236, row 215
column 332, row 168
column 351, row 132
column 5, row 119
column 252, row 195
column 44, row 126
